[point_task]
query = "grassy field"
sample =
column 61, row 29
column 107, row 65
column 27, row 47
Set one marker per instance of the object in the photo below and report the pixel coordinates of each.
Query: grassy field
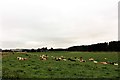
column 35, row 68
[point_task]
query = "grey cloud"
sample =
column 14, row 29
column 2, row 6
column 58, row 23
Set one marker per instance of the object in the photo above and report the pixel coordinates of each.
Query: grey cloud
column 11, row 44
column 57, row 23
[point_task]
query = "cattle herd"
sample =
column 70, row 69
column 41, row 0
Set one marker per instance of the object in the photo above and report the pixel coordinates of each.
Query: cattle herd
column 62, row 58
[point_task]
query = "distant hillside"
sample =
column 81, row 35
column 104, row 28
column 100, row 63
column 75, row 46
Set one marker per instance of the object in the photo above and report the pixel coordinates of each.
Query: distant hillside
column 106, row 46
column 110, row 46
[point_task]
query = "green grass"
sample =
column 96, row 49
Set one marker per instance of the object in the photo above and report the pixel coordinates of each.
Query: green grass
column 35, row 68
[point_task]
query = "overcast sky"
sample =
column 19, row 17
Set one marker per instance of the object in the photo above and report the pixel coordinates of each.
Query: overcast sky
column 57, row 23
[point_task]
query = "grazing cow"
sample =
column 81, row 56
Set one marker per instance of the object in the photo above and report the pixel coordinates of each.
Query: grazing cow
column 116, row 64
column 24, row 58
column 71, row 59
column 64, row 59
column 91, row 59
column 59, row 58
column 95, row 62
column 103, row 63
column 100, row 62
column 20, row 58
column 43, row 57
column 113, row 63
column 46, row 56
column 81, row 60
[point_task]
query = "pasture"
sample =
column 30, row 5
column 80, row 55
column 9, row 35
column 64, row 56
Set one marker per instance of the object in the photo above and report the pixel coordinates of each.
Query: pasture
column 33, row 67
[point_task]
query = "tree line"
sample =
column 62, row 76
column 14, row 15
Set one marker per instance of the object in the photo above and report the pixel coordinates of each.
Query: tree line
column 106, row 46
column 110, row 46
